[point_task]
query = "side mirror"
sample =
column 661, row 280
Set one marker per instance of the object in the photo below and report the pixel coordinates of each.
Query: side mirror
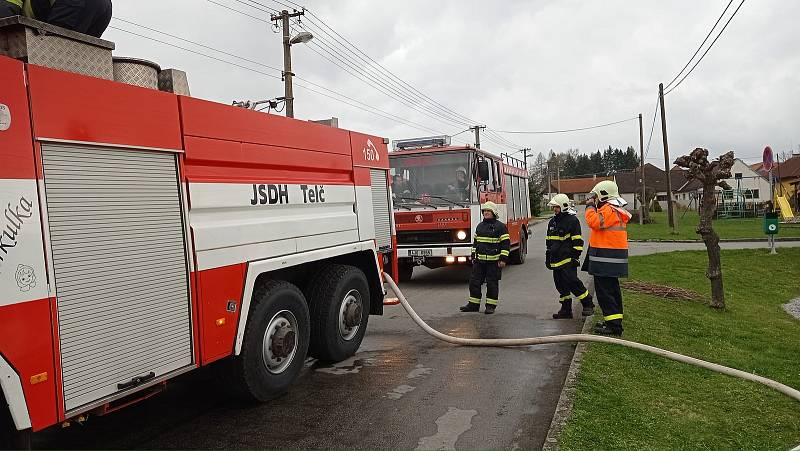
column 483, row 170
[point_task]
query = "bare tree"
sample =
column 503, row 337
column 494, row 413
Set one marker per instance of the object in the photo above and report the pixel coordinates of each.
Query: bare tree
column 710, row 174
column 650, row 194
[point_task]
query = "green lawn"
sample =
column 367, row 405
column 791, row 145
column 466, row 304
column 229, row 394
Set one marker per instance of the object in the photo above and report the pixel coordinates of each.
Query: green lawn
column 627, row 399
column 726, row 228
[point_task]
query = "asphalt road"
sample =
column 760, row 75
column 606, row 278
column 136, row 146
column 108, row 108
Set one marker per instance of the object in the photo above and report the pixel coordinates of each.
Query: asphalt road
column 402, row 390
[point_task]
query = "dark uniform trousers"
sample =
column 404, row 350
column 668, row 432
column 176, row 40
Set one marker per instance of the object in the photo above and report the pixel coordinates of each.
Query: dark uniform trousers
column 485, row 272
column 609, row 296
column 568, row 284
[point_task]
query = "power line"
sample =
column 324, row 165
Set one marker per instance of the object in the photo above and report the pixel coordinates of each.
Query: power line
column 652, row 128
column 343, row 62
column 701, row 45
column 343, row 56
column 238, row 11
column 339, row 52
column 397, row 81
column 349, row 100
column 707, row 49
column 350, row 62
column 258, row 6
column 194, row 43
column 546, row 132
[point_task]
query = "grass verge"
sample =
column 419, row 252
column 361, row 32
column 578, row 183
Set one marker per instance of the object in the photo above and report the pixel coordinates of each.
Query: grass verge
column 626, row 399
column 726, row 228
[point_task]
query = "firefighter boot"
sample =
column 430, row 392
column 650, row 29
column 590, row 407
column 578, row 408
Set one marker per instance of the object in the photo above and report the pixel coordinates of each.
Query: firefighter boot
column 470, row 307
column 490, row 308
column 608, row 329
column 588, row 306
column 565, row 312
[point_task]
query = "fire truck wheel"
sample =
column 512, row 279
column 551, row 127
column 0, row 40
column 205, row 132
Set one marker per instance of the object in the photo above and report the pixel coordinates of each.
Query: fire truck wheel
column 10, row 437
column 405, row 271
column 518, row 256
column 339, row 303
column 275, row 342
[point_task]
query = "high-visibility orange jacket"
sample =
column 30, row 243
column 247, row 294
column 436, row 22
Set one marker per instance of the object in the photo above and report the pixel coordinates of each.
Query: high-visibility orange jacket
column 608, row 242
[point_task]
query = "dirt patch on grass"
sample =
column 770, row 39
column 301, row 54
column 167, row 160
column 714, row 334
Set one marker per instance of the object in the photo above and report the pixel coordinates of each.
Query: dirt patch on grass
column 662, row 291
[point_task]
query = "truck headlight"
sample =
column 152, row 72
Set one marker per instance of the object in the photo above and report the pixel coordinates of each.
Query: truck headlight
column 461, row 235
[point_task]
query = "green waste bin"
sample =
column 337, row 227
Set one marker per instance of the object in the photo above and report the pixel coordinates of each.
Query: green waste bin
column 771, row 224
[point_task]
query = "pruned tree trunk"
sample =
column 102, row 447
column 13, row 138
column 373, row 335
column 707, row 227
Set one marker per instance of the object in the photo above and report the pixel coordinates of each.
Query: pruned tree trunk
column 711, row 240
column 711, row 175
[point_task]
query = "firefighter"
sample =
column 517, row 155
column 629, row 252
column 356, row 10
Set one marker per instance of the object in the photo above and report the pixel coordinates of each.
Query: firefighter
column 607, row 257
column 86, row 16
column 461, row 188
column 564, row 248
column 490, row 250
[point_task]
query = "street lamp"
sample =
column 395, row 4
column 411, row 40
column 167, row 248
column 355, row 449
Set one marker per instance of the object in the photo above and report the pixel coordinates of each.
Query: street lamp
column 300, row 38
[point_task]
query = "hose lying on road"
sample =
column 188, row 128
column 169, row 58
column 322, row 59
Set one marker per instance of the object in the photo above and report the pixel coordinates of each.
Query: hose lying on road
column 504, row 342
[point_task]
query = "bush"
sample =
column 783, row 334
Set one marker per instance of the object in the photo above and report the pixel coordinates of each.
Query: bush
column 656, row 208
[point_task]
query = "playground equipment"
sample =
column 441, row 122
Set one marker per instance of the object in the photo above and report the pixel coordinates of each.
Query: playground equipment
column 737, row 203
column 786, row 210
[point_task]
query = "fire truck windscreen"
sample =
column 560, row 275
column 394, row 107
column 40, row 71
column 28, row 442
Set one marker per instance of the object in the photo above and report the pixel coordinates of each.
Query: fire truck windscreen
column 432, row 179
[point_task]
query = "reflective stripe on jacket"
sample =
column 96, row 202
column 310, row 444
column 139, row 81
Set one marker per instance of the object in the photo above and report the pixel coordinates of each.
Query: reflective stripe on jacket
column 608, row 243
column 564, row 241
column 491, row 242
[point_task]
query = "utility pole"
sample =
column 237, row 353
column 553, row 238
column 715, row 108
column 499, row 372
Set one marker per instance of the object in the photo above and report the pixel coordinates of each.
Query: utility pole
column 670, row 209
column 642, row 207
column 525, row 156
column 287, row 58
column 477, row 129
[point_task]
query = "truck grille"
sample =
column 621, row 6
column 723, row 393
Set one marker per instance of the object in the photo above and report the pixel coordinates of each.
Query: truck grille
column 429, row 237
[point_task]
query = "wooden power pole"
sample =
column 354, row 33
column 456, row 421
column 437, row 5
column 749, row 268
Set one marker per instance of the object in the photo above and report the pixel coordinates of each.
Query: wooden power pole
column 477, row 129
column 288, row 93
column 670, row 209
column 642, row 201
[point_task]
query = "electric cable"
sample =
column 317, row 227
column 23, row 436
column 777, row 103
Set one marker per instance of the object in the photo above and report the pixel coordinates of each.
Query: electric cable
column 569, row 130
column 707, row 49
column 352, row 102
column 701, row 45
column 652, row 128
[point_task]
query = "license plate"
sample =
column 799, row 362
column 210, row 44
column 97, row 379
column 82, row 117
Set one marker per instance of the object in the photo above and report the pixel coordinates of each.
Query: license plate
column 420, row 253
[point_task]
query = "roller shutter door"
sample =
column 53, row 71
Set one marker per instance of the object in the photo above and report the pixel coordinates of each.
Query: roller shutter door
column 380, row 206
column 119, row 260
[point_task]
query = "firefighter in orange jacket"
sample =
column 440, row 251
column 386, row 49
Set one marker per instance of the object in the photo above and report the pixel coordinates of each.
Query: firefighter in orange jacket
column 607, row 257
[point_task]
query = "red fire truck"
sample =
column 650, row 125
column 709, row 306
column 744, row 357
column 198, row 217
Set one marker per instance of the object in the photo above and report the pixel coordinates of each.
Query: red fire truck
column 438, row 189
column 145, row 234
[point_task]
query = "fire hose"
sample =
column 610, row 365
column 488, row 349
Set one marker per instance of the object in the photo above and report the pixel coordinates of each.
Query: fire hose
column 573, row 338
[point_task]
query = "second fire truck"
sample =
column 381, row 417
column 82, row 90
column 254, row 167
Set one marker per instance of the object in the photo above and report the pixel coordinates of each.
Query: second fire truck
column 438, row 189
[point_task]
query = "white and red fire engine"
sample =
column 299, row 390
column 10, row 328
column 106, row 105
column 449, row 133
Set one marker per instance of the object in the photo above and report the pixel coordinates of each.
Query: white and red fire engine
column 145, row 234
column 438, row 189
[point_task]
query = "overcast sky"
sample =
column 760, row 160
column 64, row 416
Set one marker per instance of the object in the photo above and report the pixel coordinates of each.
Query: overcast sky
column 512, row 65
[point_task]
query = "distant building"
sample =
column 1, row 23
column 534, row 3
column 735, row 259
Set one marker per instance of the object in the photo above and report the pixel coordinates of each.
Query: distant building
column 576, row 189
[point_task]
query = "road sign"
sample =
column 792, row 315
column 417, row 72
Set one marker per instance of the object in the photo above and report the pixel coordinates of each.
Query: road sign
column 767, row 159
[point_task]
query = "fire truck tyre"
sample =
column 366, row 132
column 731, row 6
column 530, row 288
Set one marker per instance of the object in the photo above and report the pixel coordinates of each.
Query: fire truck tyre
column 405, row 271
column 10, row 437
column 339, row 303
column 275, row 342
column 518, row 256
